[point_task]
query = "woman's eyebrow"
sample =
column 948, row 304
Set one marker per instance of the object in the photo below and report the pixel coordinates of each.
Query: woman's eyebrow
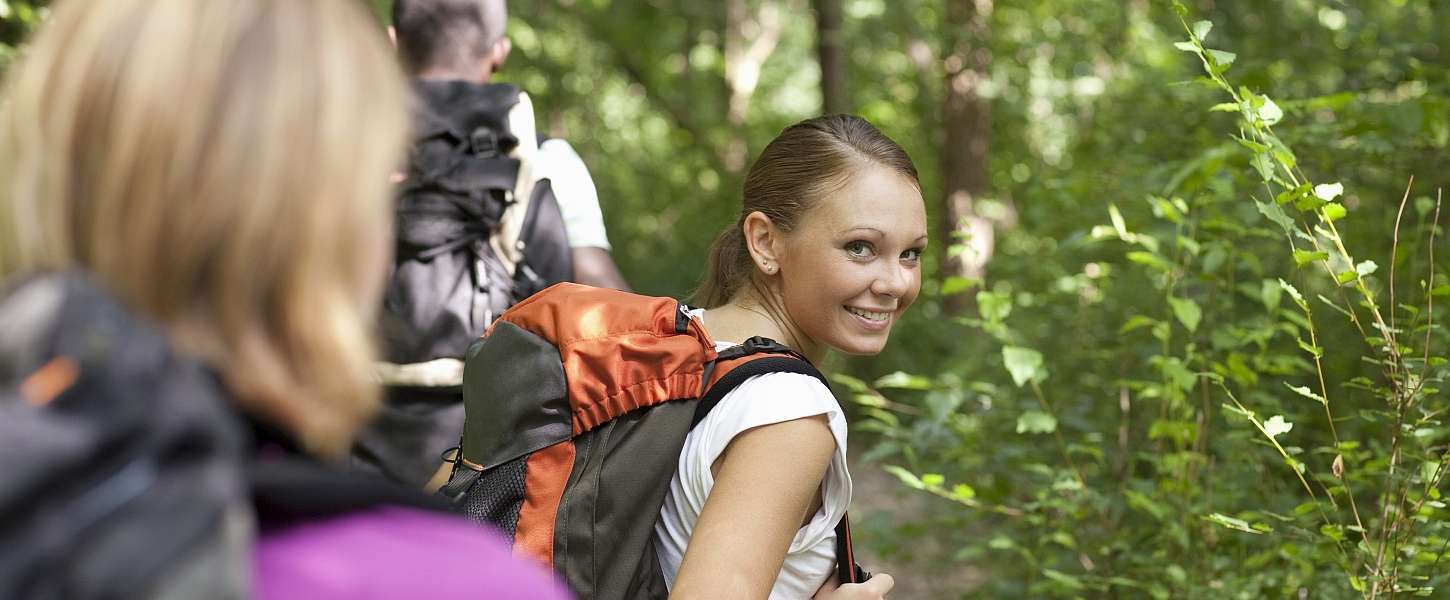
column 871, row 229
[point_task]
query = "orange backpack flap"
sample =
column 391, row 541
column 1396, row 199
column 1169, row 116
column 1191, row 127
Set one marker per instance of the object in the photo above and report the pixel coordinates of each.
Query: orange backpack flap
column 578, row 401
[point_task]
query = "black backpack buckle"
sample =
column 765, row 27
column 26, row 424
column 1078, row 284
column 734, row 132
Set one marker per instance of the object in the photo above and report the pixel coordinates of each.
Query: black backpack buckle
column 483, row 142
column 756, row 345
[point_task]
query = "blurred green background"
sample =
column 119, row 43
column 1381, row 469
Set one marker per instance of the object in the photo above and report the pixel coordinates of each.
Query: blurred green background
column 1050, row 411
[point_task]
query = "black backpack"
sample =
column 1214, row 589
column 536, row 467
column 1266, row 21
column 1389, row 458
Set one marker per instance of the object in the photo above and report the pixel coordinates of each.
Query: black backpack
column 476, row 233
column 125, row 472
column 121, row 464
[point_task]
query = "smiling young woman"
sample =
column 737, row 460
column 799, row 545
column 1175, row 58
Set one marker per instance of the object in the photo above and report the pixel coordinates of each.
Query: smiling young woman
column 826, row 255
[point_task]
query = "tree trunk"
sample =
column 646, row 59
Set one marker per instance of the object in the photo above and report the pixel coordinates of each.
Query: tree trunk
column 967, row 119
column 831, row 47
column 749, row 39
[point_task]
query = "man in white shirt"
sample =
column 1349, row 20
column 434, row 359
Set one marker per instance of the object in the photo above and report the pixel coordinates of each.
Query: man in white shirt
column 477, row 230
column 472, row 48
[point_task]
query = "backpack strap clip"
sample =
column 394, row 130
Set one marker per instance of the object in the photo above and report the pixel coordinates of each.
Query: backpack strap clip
column 483, row 142
column 758, row 345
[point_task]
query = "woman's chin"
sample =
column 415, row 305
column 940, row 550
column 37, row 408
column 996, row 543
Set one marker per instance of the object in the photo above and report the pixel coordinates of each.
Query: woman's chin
column 861, row 347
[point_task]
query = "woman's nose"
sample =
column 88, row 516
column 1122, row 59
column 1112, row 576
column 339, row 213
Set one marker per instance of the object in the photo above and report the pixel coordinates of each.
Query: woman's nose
column 892, row 281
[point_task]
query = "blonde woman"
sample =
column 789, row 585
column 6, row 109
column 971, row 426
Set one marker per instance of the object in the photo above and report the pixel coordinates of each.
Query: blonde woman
column 220, row 168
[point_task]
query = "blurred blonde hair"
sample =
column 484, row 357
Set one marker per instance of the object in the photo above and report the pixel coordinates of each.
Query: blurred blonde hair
column 222, row 166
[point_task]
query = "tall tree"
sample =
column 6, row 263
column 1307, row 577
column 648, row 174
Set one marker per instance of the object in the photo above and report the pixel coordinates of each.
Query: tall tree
column 831, row 48
column 750, row 38
column 967, row 120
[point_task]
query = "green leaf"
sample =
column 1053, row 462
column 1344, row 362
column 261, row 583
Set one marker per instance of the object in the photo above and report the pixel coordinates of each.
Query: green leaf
column 1224, row 107
column 1269, row 113
column 1276, row 425
column 1201, row 29
column 1313, row 350
column 1334, row 211
column 1328, row 191
column 869, row 400
column 1150, row 259
column 1232, row 523
column 994, row 306
column 1223, row 58
column 1063, row 578
column 1262, row 163
column 933, row 479
column 903, row 381
column 849, row 382
column 1116, row 217
column 906, row 477
column 1186, row 47
column 1187, row 311
column 1025, row 364
column 1275, row 214
column 1366, row 268
column 1294, row 293
column 963, row 492
column 1307, row 393
column 1345, row 277
column 1270, row 293
column 1136, row 322
column 1252, row 145
column 955, row 285
column 1308, row 203
column 1036, row 421
column 1304, row 257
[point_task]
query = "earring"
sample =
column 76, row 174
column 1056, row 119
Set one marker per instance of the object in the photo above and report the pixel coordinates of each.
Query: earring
column 769, row 269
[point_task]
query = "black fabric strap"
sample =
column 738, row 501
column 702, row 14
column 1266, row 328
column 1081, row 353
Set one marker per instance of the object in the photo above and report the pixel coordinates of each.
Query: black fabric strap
column 288, row 489
column 847, row 571
column 762, row 366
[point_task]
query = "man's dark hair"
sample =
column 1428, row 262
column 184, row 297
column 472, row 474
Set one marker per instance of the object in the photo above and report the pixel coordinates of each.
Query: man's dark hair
column 447, row 34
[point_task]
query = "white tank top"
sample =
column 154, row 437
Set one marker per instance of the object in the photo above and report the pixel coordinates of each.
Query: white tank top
column 761, row 400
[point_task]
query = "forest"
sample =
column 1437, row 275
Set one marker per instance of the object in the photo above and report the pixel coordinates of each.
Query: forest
column 1181, row 326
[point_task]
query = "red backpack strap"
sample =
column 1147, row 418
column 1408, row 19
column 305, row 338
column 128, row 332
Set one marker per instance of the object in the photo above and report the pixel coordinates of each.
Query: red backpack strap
column 760, row 356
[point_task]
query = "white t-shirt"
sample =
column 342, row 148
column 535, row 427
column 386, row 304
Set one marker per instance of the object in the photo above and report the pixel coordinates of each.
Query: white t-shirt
column 574, row 188
column 761, row 400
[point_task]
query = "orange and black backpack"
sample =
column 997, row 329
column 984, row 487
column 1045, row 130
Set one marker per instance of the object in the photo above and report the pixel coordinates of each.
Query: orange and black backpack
column 577, row 404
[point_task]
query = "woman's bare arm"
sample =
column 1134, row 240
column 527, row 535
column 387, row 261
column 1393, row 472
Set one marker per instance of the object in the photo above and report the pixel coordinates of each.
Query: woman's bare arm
column 767, row 482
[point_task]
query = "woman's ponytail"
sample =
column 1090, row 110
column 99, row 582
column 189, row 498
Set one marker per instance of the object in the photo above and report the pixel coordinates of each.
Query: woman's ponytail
column 728, row 267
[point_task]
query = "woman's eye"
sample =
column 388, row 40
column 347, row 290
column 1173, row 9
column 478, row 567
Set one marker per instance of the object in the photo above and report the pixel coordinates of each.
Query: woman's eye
column 858, row 249
column 912, row 256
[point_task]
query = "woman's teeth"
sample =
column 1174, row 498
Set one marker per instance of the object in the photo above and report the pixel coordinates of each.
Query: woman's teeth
column 868, row 315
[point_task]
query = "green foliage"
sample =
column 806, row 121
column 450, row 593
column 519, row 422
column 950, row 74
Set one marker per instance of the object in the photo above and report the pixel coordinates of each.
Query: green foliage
column 17, row 19
column 1206, row 359
column 1209, row 439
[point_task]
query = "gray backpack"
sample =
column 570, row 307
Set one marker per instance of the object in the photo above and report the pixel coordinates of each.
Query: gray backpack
column 121, row 465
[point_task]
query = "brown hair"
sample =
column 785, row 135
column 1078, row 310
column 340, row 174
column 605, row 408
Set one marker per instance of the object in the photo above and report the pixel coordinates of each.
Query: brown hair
column 806, row 162
column 222, row 167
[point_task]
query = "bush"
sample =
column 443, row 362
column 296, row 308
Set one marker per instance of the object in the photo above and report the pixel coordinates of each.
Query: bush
column 1225, row 401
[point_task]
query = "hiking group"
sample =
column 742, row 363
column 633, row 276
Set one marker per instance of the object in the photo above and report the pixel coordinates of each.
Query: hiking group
column 262, row 334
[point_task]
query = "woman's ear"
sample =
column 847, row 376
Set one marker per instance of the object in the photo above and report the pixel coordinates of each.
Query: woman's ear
column 763, row 240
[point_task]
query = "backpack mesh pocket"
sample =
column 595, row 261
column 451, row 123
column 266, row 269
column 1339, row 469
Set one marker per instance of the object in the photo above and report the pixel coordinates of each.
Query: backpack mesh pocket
column 498, row 494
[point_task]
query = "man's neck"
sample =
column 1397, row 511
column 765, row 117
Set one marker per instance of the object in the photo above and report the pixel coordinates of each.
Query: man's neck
column 450, row 75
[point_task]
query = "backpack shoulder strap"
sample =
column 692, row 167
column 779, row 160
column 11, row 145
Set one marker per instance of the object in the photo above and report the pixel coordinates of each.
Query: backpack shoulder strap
column 506, row 242
column 757, row 356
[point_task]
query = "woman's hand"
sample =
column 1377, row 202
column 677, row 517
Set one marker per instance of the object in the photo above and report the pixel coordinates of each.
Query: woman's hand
column 875, row 588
